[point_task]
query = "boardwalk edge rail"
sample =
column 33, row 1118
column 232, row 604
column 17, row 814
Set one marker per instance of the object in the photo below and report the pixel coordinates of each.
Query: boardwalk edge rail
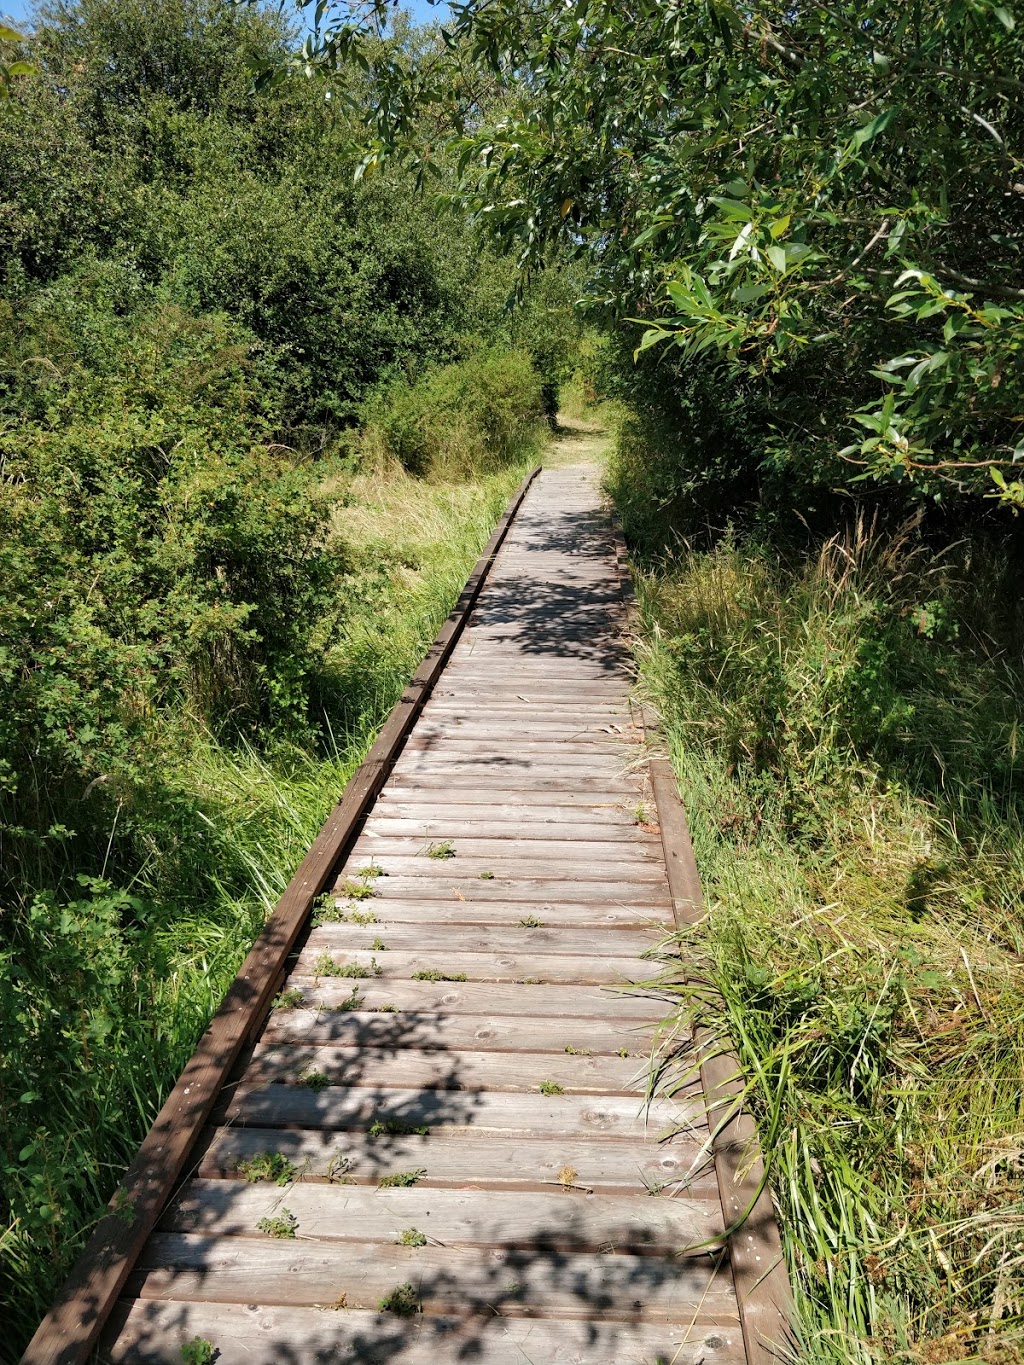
column 72, row 1326
column 761, row 1279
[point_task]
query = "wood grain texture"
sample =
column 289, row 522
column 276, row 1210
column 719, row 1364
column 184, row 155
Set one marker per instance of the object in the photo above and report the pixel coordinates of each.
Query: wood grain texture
column 559, row 1220
column 679, row 1166
column 152, row 1333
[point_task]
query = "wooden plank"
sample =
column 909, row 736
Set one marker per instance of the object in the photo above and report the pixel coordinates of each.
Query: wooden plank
column 185, row 1267
column 507, row 824
column 679, row 1165
column 755, row 1248
column 606, row 1002
column 616, row 873
column 73, row 1323
column 152, row 1333
column 401, row 1064
column 492, row 762
column 514, row 938
column 619, row 1117
column 567, row 793
column 557, row 844
column 393, row 910
column 436, row 1029
column 505, row 786
column 541, row 968
column 468, row 885
column 558, row 1220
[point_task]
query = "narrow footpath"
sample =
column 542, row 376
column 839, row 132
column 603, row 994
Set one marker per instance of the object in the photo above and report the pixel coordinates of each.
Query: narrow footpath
column 450, row 1101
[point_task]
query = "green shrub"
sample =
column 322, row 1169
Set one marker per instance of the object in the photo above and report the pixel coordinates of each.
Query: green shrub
column 481, row 412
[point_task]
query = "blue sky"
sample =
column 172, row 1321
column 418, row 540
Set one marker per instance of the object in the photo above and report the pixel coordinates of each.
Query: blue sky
column 420, row 9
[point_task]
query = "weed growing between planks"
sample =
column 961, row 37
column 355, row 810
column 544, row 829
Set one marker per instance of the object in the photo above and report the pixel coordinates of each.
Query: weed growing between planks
column 845, row 734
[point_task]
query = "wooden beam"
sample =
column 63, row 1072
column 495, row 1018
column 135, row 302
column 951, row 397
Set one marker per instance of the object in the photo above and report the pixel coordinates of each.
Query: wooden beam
column 70, row 1329
column 755, row 1249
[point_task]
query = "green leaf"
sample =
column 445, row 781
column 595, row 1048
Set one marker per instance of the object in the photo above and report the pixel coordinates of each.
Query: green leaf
column 872, row 129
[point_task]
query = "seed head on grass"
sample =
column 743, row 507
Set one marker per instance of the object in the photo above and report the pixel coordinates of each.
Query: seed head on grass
column 400, row 1180
column 282, row 1224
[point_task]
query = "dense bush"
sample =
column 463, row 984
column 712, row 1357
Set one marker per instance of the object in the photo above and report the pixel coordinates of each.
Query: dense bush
column 486, row 408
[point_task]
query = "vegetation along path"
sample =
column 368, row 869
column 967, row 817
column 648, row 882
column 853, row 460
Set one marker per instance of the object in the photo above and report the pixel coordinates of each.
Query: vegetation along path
column 447, row 1134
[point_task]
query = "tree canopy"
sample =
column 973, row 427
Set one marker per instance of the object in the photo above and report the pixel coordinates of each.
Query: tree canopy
column 820, row 206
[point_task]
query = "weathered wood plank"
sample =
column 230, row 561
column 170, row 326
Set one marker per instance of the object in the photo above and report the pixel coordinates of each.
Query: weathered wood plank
column 153, row 1333
column 558, row 845
column 513, row 1283
column 606, row 1002
column 624, row 871
column 540, row 968
column 403, row 1064
column 679, row 1165
column 507, row 824
column 468, row 885
column 419, row 910
column 559, row 1220
column 515, row 938
column 574, row 1116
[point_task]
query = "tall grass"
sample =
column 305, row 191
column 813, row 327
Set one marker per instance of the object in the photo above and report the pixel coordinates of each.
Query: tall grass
column 845, row 728
column 109, row 991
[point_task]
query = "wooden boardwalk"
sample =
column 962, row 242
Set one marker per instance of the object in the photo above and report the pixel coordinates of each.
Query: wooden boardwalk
column 453, row 1083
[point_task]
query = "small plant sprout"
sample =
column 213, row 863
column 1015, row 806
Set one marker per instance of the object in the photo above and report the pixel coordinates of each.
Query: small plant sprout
column 290, row 999
column 487, row 876
column 363, row 917
column 389, row 1008
column 433, row 974
column 412, row 1237
column 567, row 1176
column 351, row 970
column 623, row 1051
column 267, row 1166
column 282, row 1224
column 551, row 1088
column 530, row 922
column 379, row 946
column 402, row 1300
column 198, row 1351
column 315, row 1078
column 400, row 1180
column 325, row 965
column 352, row 1001
column 395, row 1128
column 578, row 1051
column 337, row 1170
column 640, row 815
column 370, row 872
column 123, row 1207
column 442, row 850
column 356, row 891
